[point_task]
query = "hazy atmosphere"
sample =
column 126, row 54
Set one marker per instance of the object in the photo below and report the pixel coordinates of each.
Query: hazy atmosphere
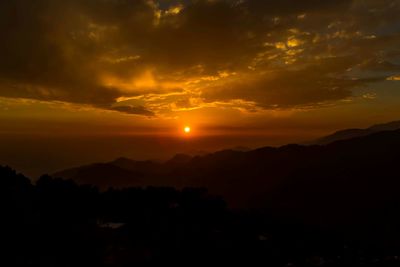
column 200, row 132
column 87, row 75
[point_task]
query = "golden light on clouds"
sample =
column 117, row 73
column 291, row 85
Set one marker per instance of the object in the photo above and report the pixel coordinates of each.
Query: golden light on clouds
column 293, row 42
column 220, row 71
column 142, row 83
column 174, row 10
column 163, row 62
column 394, row 78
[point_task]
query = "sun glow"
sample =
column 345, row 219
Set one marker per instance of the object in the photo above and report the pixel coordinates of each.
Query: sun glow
column 186, row 129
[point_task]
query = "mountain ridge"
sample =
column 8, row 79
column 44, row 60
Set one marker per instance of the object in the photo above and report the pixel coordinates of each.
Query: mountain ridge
column 355, row 132
column 247, row 178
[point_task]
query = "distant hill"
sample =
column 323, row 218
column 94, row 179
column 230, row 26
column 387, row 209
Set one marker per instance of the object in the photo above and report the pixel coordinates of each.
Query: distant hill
column 350, row 174
column 179, row 159
column 352, row 133
column 103, row 174
column 123, row 172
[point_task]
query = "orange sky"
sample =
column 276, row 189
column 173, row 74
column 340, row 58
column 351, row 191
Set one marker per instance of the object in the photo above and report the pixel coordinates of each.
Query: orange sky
column 292, row 69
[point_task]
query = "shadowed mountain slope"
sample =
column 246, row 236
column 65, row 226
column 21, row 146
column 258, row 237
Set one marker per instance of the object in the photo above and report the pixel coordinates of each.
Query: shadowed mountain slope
column 352, row 133
column 286, row 176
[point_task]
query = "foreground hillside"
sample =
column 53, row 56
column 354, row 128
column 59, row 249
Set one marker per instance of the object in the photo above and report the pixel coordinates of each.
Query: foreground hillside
column 59, row 223
column 293, row 205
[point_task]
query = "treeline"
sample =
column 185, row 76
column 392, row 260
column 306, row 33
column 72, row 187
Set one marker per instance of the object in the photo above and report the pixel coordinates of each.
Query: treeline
column 59, row 223
column 56, row 222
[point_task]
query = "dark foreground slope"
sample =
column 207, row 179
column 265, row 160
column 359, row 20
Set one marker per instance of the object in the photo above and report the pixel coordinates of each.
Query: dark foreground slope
column 59, row 223
column 299, row 205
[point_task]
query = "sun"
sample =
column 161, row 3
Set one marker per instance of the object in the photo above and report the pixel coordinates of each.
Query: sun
column 186, row 129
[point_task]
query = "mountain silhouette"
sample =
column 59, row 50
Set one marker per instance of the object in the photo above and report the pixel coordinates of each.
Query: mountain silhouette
column 103, row 173
column 292, row 177
column 352, row 133
column 285, row 202
column 179, row 159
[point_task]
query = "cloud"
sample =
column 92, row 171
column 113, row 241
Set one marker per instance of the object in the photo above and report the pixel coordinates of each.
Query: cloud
column 138, row 110
column 275, row 53
column 394, row 78
column 286, row 89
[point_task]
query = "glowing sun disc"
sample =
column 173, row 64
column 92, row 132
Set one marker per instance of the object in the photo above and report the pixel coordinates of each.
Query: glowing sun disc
column 186, row 129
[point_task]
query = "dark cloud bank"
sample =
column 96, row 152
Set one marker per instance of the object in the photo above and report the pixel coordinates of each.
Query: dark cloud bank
column 279, row 54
